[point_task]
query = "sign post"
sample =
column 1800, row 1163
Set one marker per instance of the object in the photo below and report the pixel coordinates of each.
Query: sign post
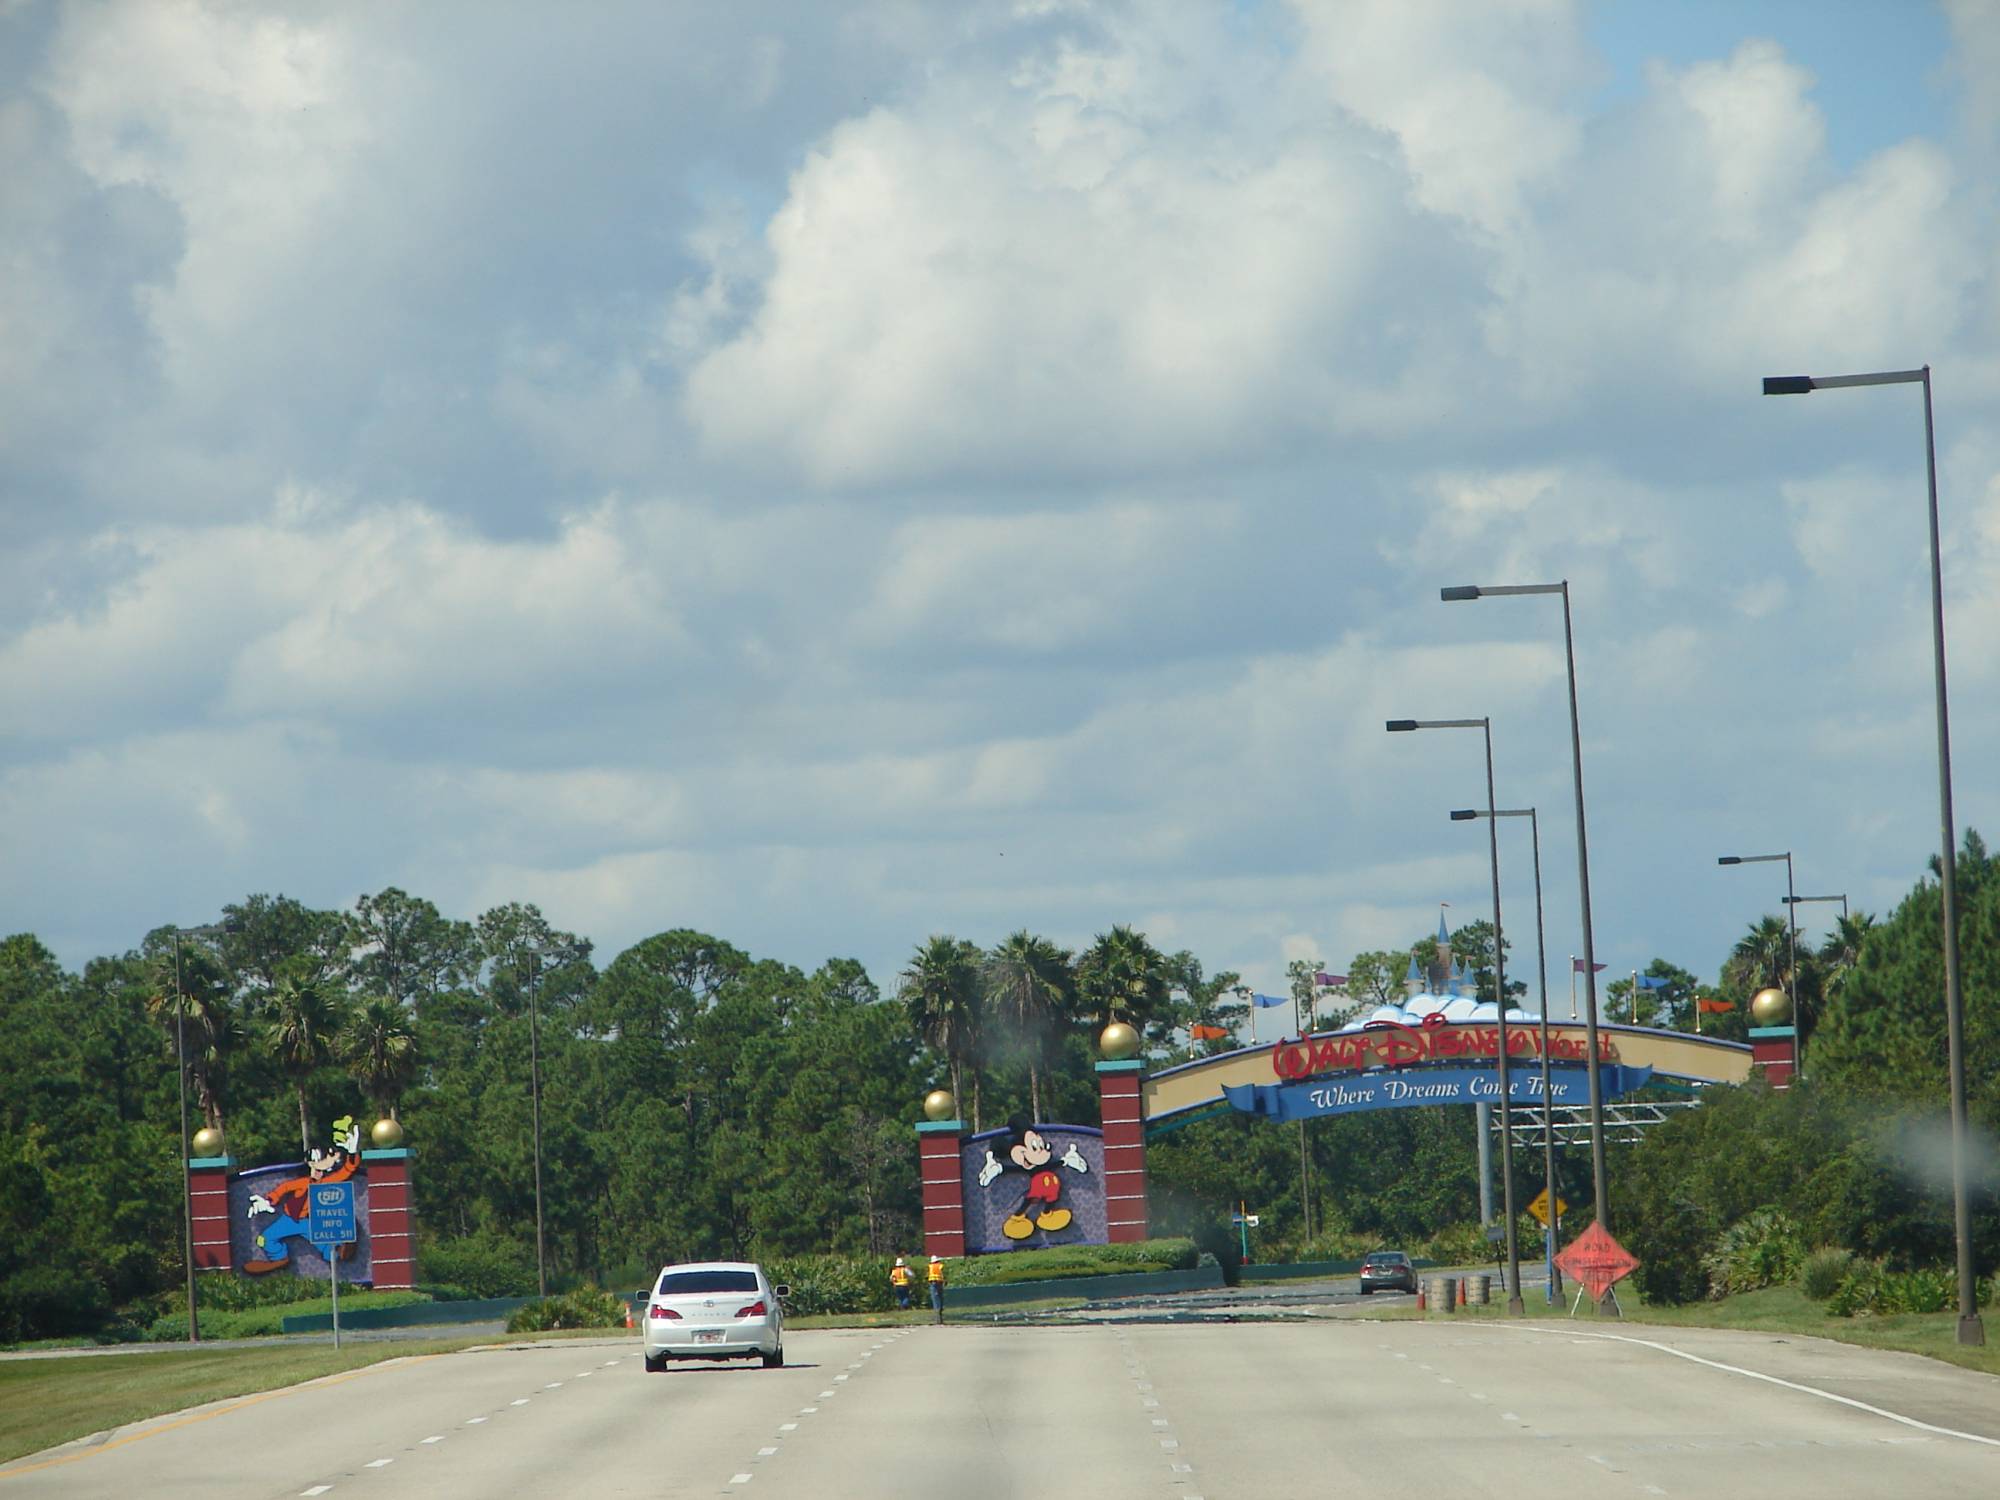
column 330, row 1225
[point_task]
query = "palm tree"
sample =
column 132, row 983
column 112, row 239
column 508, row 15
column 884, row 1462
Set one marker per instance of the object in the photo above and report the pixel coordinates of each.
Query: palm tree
column 940, row 988
column 195, row 1011
column 1028, row 987
column 1842, row 949
column 1121, row 977
column 1762, row 956
column 301, row 1023
column 379, row 1046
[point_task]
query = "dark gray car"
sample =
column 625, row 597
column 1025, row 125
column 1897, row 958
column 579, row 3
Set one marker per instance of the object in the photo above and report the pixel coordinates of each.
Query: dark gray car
column 1388, row 1271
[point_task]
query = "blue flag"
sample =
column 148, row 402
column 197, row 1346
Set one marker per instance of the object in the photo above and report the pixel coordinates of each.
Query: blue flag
column 1269, row 1000
column 1646, row 982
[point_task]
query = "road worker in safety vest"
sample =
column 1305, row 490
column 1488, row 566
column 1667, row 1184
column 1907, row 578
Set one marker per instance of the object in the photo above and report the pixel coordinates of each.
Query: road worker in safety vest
column 934, row 1274
column 901, row 1280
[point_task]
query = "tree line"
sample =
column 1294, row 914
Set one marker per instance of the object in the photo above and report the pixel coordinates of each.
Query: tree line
column 699, row 1101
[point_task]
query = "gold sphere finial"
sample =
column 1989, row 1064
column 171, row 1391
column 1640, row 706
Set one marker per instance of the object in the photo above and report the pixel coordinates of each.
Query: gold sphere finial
column 208, row 1141
column 939, row 1105
column 1771, row 1007
column 386, row 1134
column 1117, row 1042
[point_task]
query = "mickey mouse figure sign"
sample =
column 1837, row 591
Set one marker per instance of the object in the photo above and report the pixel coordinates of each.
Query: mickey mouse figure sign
column 1029, row 1153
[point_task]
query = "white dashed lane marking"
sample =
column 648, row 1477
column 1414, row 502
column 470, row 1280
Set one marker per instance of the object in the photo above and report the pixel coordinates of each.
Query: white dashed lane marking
column 380, row 1463
column 318, row 1489
column 791, row 1426
column 438, row 1438
column 767, row 1452
column 743, row 1478
column 526, row 1399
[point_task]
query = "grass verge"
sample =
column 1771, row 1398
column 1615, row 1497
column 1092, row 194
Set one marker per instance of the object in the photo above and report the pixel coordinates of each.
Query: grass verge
column 1777, row 1309
column 45, row 1402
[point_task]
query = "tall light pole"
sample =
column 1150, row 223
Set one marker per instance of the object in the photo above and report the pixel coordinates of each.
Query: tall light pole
column 1485, row 727
column 535, row 1105
column 180, row 1057
column 1551, row 1274
column 1792, row 917
column 1970, row 1329
column 1600, row 1199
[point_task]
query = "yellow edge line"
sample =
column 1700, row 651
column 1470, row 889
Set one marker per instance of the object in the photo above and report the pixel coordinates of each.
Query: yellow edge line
column 236, row 1404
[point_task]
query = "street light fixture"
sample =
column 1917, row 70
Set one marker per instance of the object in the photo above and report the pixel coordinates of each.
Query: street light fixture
column 1792, row 916
column 180, row 1057
column 1970, row 1329
column 1600, row 1199
column 1485, row 727
column 1803, row 900
column 1552, row 1275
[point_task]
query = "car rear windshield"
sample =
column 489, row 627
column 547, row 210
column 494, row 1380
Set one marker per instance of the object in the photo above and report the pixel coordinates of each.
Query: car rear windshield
column 693, row 1283
column 1393, row 1259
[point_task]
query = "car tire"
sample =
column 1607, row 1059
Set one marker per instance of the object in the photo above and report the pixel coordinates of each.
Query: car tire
column 1368, row 1291
column 656, row 1364
column 775, row 1360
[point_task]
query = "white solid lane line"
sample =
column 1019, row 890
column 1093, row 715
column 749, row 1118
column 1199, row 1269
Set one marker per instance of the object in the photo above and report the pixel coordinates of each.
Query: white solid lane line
column 1790, row 1385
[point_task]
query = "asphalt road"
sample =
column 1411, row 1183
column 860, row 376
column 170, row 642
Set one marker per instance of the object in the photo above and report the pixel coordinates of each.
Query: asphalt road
column 1177, row 1412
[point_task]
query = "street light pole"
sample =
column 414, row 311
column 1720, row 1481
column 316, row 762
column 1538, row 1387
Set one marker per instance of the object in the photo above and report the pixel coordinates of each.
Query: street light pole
column 1601, row 1200
column 1970, row 1329
column 535, row 1104
column 1804, row 900
column 1552, row 1277
column 180, row 1058
column 1485, row 727
column 1792, row 916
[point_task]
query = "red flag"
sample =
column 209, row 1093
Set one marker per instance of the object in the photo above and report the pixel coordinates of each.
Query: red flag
column 1576, row 964
column 1715, row 1007
column 1208, row 1033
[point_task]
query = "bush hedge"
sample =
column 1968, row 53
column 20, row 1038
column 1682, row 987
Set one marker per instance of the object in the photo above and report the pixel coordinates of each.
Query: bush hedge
column 586, row 1307
column 267, row 1318
column 1824, row 1271
column 480, row 1265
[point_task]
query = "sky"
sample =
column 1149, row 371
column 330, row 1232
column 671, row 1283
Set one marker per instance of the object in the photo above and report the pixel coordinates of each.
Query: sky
column 831, row 474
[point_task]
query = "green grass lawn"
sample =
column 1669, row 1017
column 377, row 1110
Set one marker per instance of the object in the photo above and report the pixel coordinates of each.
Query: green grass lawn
column 1777, row 1309
column 44, row 1402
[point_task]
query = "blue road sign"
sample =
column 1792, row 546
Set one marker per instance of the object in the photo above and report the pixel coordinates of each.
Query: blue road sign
column 330, row 1213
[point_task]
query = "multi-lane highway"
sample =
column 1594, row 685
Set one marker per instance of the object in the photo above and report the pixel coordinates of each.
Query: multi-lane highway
column 1347, row 1406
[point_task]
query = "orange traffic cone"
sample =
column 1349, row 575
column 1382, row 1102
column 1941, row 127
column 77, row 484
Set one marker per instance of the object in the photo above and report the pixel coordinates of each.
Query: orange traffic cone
column 628, row 1316
column 1461, row 1291
column 1423, row 1301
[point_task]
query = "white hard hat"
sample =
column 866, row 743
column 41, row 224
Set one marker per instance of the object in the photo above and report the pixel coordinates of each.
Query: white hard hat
column 937, row 1260
column 899, row 1260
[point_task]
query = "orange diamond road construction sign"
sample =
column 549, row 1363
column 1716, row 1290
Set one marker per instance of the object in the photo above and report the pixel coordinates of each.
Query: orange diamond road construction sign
column 1595, row 1260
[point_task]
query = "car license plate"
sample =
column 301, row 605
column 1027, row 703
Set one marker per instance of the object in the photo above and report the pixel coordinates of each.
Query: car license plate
column 708, row 1336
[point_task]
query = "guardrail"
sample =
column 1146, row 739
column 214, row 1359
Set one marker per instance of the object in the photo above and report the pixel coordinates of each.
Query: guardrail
column 411, row 1315
column 1305, row 1270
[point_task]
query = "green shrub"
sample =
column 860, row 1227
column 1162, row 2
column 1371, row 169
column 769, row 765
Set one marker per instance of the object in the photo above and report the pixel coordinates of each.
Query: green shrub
column 1764, row 1249
column 1064, row 1261
column 1455, row 1245
column 268, row 1319
column 46, row 1302
column 1824, row 1271
column 822, row 1284
column 483, row 1264
column 586, row 1307
column 1669, row 1243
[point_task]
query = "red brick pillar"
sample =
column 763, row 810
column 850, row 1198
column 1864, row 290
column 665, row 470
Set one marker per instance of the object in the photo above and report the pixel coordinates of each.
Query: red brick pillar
column 392, row 1218
column 1123, row 1112
column 208, row 1197
column 943, row 1172
column 1775, row 1050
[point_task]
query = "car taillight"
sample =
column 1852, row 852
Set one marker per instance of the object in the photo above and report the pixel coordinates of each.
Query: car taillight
column 754, row 1310
column 663, row 1312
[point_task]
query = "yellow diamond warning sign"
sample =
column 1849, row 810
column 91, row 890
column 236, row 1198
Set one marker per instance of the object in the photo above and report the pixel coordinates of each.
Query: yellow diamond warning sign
column 1540, row 1207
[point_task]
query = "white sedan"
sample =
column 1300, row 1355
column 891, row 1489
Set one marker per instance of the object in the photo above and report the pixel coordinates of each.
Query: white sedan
column 721, row 1309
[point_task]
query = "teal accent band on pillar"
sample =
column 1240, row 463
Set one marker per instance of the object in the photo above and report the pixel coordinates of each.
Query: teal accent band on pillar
column 1773, row 1031
column 210, row 1161
column 394, row 1153
column 1123, row 1065
column 940, row 1127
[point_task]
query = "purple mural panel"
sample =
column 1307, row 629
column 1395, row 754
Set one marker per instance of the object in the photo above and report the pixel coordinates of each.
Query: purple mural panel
column 1031, row 1186
column 270, row 1240
column 268, row 1214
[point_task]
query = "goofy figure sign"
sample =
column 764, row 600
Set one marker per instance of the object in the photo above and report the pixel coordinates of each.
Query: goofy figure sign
column 288, row 1201
column 1028, row 1152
